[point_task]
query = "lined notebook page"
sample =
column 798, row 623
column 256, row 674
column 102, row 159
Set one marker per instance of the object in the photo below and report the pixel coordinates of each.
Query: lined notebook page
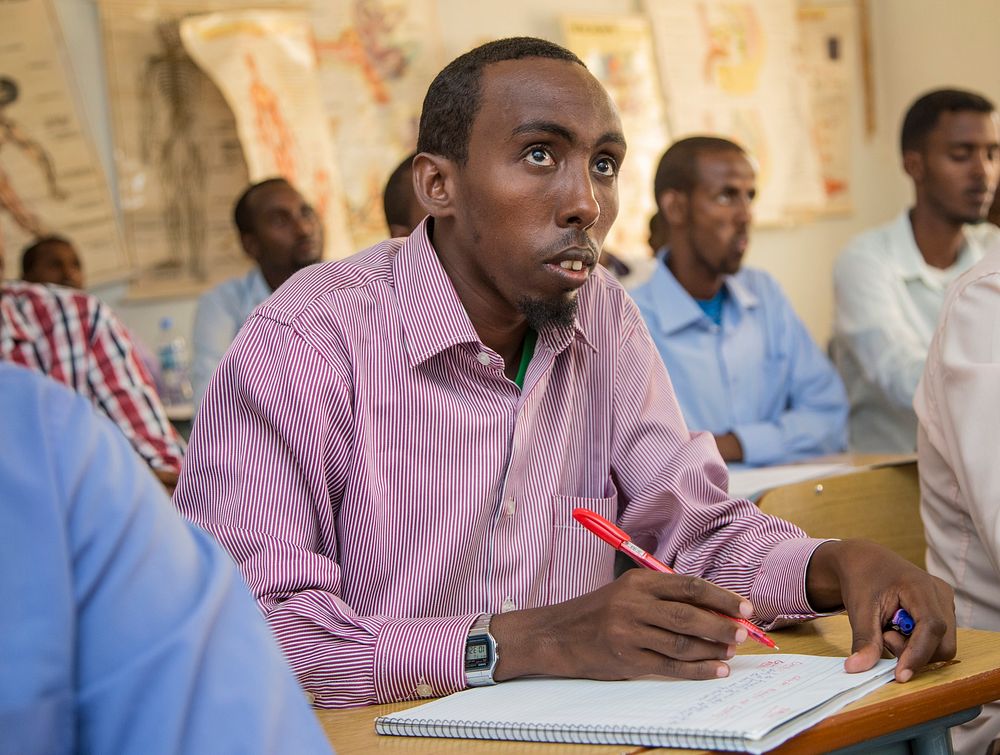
column 765, row 700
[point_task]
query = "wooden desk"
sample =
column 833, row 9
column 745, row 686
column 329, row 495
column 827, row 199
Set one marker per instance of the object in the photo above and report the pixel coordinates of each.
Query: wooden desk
column 933, row 694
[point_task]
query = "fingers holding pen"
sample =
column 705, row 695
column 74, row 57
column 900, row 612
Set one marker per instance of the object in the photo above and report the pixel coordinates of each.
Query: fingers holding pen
column 934, row 635
column 643, row 623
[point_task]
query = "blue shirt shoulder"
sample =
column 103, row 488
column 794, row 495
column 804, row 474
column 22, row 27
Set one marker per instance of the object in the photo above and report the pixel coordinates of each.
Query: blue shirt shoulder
column 125, row 628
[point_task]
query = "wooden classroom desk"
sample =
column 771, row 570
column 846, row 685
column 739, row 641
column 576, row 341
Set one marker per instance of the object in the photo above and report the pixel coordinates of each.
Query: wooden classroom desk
column 895, row 709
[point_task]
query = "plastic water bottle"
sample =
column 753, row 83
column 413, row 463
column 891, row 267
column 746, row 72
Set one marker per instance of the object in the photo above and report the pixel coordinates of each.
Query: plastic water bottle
column 175, row 366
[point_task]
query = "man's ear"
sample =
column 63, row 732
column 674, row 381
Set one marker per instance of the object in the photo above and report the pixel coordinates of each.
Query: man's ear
column 434, row 184
column 913, row 164
column 673, row 207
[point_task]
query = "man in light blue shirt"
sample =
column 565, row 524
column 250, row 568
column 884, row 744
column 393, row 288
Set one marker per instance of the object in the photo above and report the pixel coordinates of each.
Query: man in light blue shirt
column 281, row 233
column 123, row 628
column 742, row 363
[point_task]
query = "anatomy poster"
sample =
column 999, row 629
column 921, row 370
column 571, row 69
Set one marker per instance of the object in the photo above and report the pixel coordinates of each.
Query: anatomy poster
column 177, row 153
column 733, row 68
column 619, row 52
column 376, row 59
column 51, row 180
column 827, row 41
column 264, row 63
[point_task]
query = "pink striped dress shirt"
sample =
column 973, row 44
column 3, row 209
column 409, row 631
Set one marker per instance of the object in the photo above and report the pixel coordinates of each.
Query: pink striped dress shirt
column 381, row 483
column 75, row 339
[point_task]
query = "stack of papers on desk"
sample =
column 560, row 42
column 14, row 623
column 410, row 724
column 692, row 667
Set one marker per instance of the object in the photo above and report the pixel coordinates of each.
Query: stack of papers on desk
column 753, row 483
column 765, row 700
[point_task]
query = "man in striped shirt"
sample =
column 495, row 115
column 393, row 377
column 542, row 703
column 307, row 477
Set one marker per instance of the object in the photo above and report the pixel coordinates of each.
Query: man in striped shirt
column 394, row 445
column 76, row 339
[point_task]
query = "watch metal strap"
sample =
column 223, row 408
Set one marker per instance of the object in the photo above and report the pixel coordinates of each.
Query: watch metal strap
column 479, row 634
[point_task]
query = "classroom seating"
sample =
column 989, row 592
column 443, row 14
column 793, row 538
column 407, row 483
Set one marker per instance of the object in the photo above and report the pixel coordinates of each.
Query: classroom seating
column 880, row 504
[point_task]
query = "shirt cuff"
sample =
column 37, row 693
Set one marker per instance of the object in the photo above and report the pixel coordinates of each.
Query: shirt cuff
column 761, row 443
column 779, row 591
column 417, row 658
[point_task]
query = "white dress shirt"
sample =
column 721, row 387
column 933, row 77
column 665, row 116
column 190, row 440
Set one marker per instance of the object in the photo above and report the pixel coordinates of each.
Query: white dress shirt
column 887, row 305
column 219, row 317
column 958, row 405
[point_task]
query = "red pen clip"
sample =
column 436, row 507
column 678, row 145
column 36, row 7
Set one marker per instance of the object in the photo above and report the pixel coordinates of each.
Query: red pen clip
column 618, row 539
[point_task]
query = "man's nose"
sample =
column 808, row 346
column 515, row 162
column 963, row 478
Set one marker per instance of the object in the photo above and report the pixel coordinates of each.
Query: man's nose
column 580, row 207
column 986, row 166
column 744, row 210
column 305, row 225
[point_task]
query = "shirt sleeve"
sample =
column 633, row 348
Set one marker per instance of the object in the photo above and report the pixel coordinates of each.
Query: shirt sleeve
column 814, row 421
column 265, row 473
column 677, row 506
column 160, row 648
column 124, row 391
column 871, row 326
column 966, row 398
column 213, row 332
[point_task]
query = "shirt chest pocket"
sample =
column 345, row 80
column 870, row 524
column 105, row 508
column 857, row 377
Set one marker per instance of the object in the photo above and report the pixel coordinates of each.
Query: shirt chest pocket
column 581, row 562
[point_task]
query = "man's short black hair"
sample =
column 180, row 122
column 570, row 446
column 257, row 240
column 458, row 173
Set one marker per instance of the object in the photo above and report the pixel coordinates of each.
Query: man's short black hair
column 242, row 215
column 678, row 168
column 925, row 112
column 453, row 98
column 398, row 194
column 30, row 253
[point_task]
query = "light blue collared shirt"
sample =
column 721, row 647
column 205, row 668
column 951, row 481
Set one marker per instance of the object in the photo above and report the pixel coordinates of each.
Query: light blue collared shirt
column 759, row 375
column 123, row 628
column 220, row 314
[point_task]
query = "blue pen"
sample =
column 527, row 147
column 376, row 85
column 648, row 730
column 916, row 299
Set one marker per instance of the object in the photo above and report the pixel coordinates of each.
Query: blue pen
column 902, row 622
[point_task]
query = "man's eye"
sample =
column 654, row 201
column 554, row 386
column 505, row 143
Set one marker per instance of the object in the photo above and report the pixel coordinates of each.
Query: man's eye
column 606, row 166
column 540, row 156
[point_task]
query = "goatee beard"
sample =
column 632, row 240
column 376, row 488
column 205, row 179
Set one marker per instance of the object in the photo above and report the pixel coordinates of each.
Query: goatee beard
column 543, row 313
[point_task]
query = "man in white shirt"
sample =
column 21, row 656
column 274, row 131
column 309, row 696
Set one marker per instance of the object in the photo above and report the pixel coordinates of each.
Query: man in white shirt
column 958, row 404
column 281, row 232
column 890, row 282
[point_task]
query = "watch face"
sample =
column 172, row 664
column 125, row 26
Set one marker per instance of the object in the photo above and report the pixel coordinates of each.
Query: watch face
column 477, row 654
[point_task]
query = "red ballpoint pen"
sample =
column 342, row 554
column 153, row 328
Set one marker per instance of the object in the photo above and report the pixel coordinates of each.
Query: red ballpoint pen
column 618, row 539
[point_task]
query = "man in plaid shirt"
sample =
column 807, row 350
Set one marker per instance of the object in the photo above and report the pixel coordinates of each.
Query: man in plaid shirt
column 77, row 340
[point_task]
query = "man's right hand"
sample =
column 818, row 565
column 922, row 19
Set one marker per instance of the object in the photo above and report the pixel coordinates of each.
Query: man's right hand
column 644, row 622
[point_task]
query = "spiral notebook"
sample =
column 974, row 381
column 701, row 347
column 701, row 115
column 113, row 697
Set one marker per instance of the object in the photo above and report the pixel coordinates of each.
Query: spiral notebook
column 765, row 700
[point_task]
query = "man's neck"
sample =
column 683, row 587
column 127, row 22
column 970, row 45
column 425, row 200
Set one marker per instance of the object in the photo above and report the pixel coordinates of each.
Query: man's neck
column 273, row 279
column 497, row 325
column 938, row 239
column 694, row 277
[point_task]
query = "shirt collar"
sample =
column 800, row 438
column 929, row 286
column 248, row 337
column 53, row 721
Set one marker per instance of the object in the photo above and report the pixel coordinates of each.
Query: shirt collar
column 433, row 316
column 256, row 286
column 905, row 255
column 675, row 309
column 14, row 325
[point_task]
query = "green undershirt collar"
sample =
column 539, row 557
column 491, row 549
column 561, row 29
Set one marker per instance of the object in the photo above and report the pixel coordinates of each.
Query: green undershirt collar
column 527, row 350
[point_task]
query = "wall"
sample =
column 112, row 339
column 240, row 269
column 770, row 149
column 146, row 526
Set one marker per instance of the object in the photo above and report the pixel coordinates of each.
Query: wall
column 917, row 45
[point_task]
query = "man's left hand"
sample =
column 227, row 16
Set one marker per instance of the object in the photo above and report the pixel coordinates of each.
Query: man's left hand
column 871, row 582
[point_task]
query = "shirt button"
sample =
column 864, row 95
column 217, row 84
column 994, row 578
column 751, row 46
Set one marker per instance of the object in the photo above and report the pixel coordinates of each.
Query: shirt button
column 424, row 690
column 510, row 505
column 483, row 358
column 508, row 605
